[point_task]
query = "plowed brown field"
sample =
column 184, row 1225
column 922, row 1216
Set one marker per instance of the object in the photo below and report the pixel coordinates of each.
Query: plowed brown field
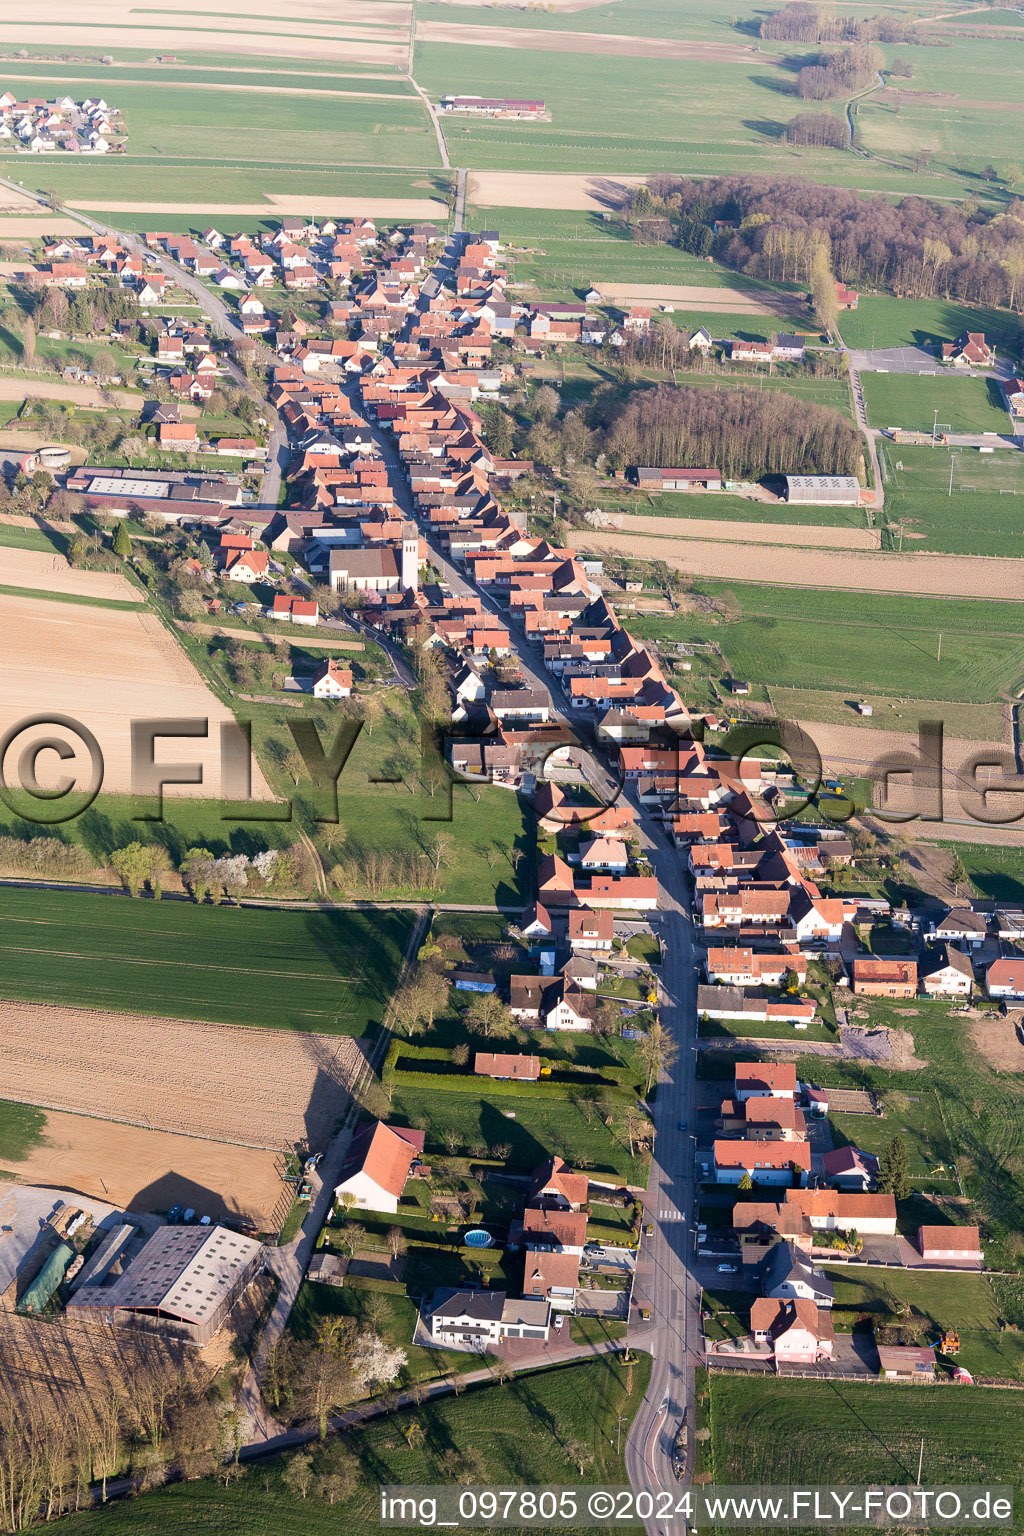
column 105, row 668
column 937, row 575
column 255, row 1087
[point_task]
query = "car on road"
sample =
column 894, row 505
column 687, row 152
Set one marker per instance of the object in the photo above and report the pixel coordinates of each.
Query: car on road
column 682, row 1125
column 727, row 1269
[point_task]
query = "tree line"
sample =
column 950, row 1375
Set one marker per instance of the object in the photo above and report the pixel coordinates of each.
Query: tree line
column 915, row 248
column 805, row 21
column 745, row 433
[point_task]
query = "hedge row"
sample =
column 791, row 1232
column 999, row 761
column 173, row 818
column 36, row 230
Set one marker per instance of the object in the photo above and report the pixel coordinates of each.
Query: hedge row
column 508, row 1088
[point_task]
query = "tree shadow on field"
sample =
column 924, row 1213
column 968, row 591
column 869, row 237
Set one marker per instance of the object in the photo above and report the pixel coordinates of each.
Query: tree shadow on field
column 765, row 127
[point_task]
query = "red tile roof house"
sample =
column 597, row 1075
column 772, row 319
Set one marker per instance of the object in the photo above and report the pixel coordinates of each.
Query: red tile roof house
column 554, row 1186
column 767, row 1162
column 1005, row 978
column 377, row 1166
column 180, row 436
column 246, row 565
column 837, row 1210
column 592, row 931
column 797, row 1331
column 749, row 968
column 506, row 1066
column 764, row 1079
column 297, row 610
column 970, row 350
column 331, row 681
column 885, row 978
column 950, row 1245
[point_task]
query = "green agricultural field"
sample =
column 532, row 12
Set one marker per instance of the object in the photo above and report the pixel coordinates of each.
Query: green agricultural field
column 959, row 501
column 844, row 1432
column 964, row 404
column 330, row 972
column 221, row 179
column 882, row 321
column 978, row 722
column 517, row 1430
column 14, row 537
column 864, row 642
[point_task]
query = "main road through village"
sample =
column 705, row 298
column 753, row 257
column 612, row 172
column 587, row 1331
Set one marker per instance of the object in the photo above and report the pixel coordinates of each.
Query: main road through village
column 665, row 1283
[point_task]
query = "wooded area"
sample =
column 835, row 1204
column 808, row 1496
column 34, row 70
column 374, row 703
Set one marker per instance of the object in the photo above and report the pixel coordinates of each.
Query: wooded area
column 915, row 248
column 745, row 433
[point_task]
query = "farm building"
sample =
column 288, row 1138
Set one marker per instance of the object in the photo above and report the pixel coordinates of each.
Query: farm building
column 184, row 1283
column 493, row 106
column 823, row 490
column 906, row 1362
column 950, row 1244
column 678, row 479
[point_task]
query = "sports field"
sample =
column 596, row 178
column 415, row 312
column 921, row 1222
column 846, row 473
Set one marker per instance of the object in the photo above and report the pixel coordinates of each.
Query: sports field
column 963, row 404
column 962, row 502
column 325, row 972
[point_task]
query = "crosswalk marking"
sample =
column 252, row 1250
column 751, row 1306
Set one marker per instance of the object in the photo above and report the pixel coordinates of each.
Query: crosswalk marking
column 669, row 1213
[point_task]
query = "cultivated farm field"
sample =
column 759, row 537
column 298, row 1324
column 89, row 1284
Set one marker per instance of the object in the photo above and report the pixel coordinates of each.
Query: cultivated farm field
column 964, row 404
column 917, row 575
column 306, row 972
column 103, row 666
column 142, row 1071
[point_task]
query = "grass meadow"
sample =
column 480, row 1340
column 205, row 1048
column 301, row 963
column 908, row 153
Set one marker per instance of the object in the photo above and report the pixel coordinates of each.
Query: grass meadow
column 518, row 1430
column 325, row 972
column 861, row 641
column 845, row 1432
column 883, row 321
column 21, row 1128
column 910, row 400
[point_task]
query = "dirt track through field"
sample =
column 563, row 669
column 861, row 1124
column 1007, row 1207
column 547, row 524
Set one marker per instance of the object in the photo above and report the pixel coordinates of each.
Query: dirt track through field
column 934, row 575
column 616, row 45
column 731, row 301
column 809, row 535
column 52, row 573
column 144, row 1170
column 260, row 1088
column 105, row 667
column 324, row 49
column 46, row 387
column 326, row 203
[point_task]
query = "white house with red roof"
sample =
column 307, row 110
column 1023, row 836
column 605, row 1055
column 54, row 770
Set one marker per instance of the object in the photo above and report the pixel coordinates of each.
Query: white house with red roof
column 379, row 1160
